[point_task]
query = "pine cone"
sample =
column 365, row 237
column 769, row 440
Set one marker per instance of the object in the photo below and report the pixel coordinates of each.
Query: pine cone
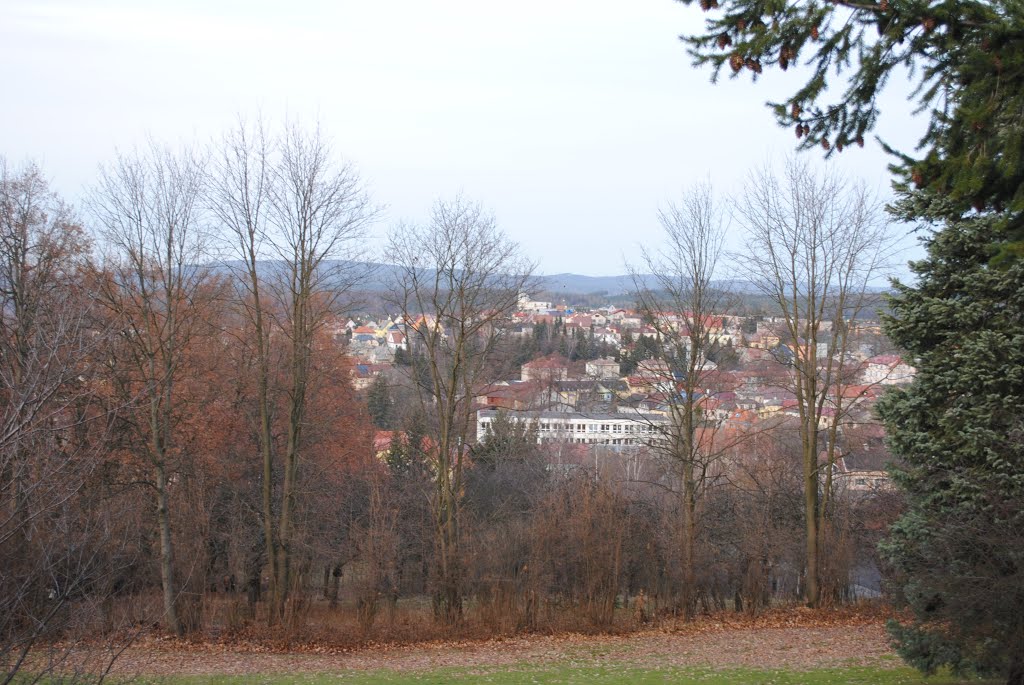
column 724, row 41
column 860, row 141
column 824, row 143
column 839, row 146
column 928, row 24
column 741, row 24
column 917, row 178
column 799, row 131
column 884, row 5
column 736, row 61
column 814, row 32
column 795, row 111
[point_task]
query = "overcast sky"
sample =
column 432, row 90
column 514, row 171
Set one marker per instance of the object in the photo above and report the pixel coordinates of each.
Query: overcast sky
column 572, row 120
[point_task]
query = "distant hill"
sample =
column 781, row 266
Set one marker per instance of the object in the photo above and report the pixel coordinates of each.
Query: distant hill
column 586, row 285
column 614, row 286
column 378, row 278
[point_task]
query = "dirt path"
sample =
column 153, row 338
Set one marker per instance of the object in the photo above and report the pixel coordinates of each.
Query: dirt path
column 801, row 647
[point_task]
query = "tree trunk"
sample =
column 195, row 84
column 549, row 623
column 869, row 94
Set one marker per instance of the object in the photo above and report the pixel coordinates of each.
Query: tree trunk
column 811, row 517
column 166, row 553
column 689, row 589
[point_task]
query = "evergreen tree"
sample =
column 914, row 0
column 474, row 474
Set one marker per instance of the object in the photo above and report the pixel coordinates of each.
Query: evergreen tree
column 958, row 429
column 540, row 332
column 509, row 471
column 967, row 57
column 397, row 457
column 508, row 440
column 379, row 403
column 401, row 357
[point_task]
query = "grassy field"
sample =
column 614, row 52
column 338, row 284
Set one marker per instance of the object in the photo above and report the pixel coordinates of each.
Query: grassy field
column 570, row 674
column 794, row 647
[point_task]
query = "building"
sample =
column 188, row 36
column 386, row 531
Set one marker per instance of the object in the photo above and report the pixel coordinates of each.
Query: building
column 603, row 368
column 546, row 369
column 623, row 430
column 887, row 369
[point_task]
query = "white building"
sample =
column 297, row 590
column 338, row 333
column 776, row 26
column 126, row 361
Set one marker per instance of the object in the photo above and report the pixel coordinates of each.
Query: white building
column 602, row 368
column 534, row 306
column 887, row 369
column 624, row 430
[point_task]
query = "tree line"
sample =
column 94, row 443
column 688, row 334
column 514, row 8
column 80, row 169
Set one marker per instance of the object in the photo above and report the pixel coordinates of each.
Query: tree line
column 181, row 444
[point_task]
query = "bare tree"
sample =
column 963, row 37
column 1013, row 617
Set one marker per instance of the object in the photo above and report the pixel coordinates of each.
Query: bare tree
column 54, row 548
column 815, row 245
column 237, row 191
column 459, row 279
column 684, row 306
column 295, row 218
column 148, row 205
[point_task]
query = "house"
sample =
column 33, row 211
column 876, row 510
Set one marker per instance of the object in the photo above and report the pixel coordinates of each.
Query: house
column 513, row 396
column 395, row 339
column 602, row 368
column 861, row 458
column 578, row 394
column 528, row 305
column 887, row 369
column 763, row 339
column 363, row 374
column 862, row 471
column 546, row 369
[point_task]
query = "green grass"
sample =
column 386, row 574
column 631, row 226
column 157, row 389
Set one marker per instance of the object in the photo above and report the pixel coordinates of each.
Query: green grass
column 589, row 675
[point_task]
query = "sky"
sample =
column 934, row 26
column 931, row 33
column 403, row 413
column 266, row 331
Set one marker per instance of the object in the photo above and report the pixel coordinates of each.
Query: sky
column 573, row 121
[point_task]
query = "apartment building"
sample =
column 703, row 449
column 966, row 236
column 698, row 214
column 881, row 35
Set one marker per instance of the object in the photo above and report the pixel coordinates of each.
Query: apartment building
column 622, row 430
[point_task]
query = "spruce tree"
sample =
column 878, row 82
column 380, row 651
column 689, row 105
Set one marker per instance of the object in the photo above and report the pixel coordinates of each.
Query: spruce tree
column 379, row 403
column 967, row 60
column 957, row 553
column 957, row 429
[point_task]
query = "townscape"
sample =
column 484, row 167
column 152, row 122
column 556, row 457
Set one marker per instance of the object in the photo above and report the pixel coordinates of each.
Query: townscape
column 291, row 389
column 575, row 396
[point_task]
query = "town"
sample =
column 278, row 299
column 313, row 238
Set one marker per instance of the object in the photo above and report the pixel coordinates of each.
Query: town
column 605, row 386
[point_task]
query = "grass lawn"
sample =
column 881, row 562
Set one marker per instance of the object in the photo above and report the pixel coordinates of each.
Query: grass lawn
column 570, row 675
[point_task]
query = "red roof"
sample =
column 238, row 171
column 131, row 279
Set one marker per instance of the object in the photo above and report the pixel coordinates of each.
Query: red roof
column 553, row 361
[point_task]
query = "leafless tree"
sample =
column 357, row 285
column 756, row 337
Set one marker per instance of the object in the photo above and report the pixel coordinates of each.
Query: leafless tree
column 815, row 245
column 295, row 216
column 54, row 547
column 459, row 279
column 684, row 306
column 148, row 206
